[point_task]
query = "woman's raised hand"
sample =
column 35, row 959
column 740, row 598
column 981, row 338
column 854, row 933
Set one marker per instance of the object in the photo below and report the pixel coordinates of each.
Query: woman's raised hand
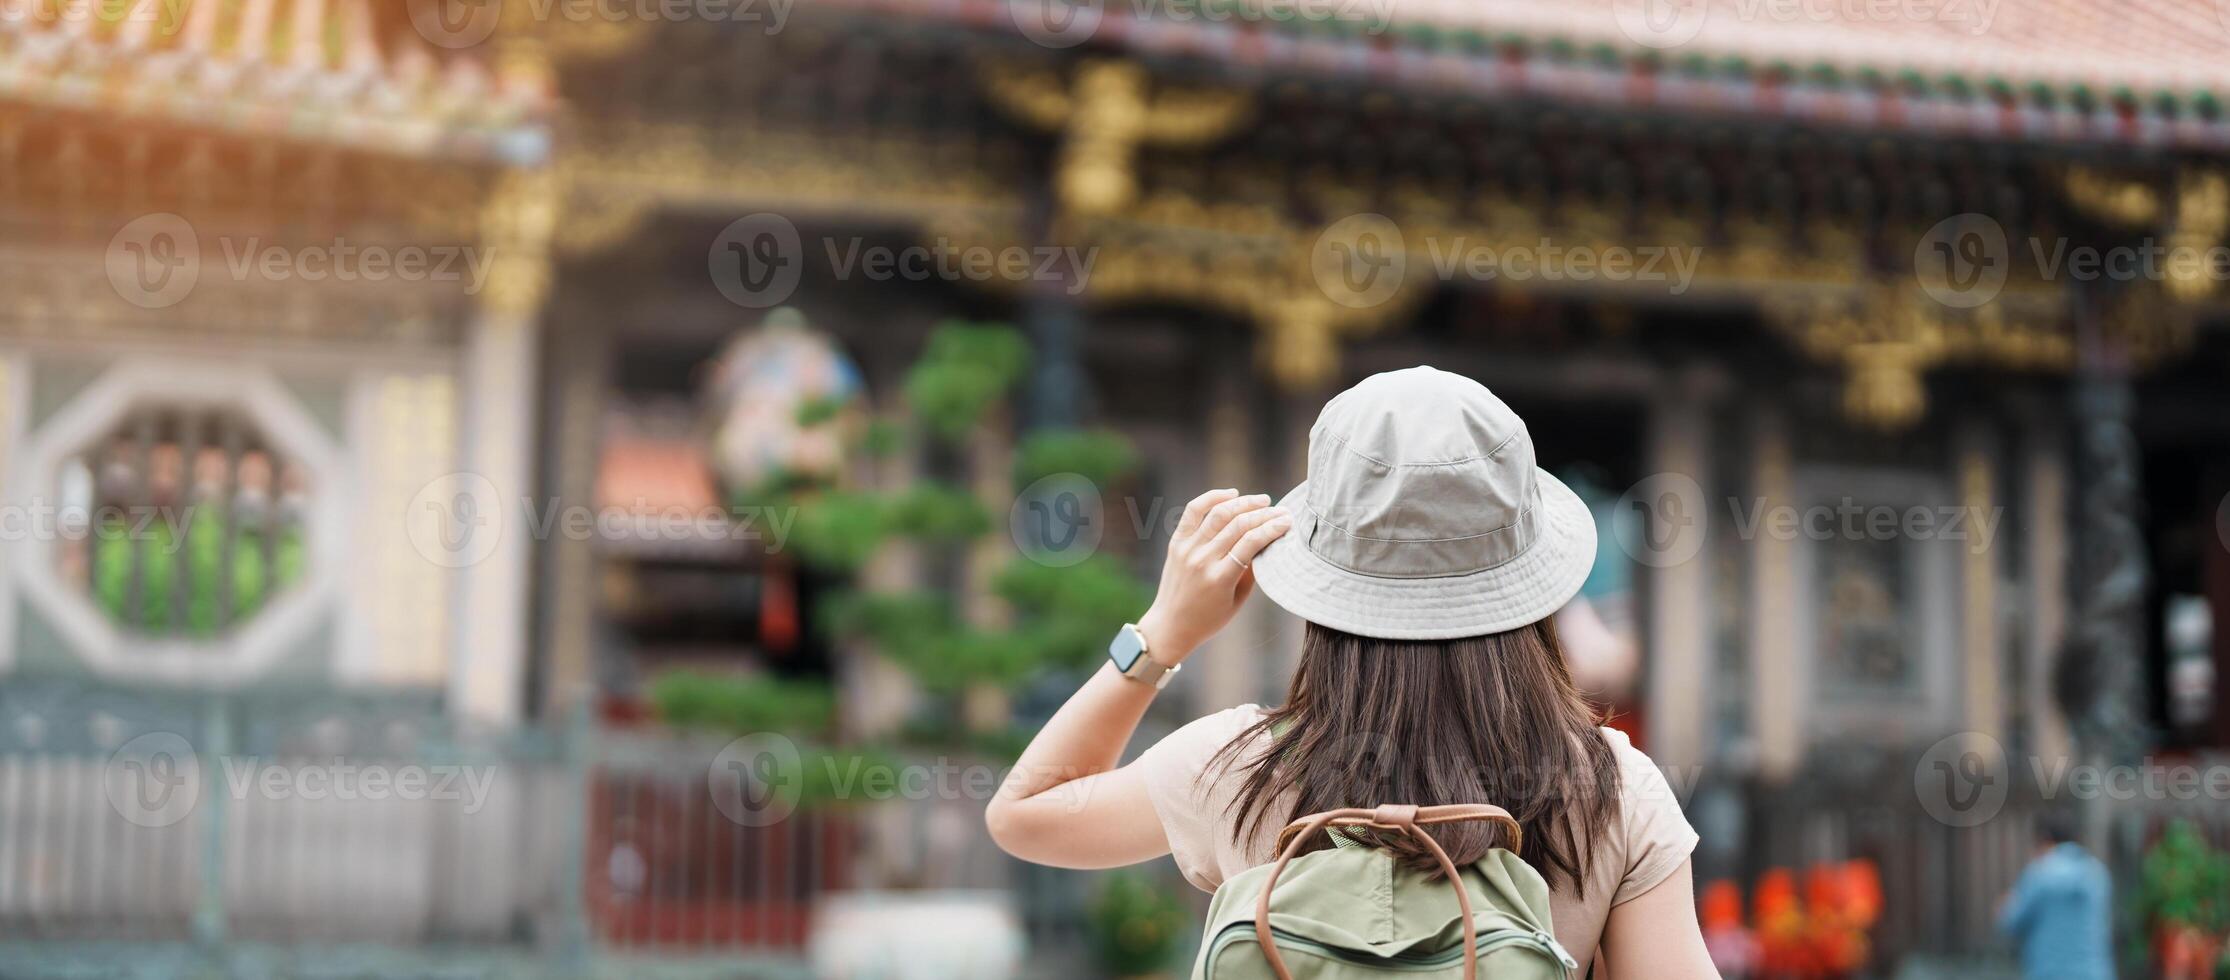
column 1207, row 574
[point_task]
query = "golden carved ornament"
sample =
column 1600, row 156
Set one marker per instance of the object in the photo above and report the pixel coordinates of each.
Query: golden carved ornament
column 1887, row 337
column 1104, row 117
column 2128, row 203
column 2202, row 213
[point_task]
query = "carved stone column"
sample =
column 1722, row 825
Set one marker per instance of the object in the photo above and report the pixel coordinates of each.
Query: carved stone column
column 2098, row 675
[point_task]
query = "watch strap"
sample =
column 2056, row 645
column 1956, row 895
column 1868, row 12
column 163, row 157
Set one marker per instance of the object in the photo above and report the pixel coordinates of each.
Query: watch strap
column 1145, row 669
column 1150, row 671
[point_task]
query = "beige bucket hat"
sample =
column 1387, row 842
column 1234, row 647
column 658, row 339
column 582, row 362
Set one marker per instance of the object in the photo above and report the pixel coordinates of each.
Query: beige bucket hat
column 1424, row 517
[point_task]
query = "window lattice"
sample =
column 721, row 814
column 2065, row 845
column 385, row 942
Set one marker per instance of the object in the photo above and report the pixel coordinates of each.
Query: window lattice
column 188, row 520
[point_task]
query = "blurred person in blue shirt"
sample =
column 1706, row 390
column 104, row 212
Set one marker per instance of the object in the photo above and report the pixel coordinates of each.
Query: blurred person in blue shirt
column 2059, row 912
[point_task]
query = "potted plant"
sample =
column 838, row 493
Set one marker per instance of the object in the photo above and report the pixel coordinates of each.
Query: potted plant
column 985, row 618
column 2184, row 900
column 1136, row 925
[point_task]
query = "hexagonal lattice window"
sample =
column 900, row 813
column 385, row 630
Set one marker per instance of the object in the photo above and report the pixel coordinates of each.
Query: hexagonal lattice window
column 193, row 519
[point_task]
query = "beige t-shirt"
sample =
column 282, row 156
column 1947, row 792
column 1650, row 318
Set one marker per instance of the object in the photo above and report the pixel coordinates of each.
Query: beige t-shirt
column 1650, row 841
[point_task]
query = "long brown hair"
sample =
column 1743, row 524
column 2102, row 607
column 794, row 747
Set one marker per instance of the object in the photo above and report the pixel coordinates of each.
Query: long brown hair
column 1484, row 719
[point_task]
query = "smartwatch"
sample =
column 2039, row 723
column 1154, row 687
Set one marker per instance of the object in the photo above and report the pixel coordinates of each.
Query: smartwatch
column 1128, row 651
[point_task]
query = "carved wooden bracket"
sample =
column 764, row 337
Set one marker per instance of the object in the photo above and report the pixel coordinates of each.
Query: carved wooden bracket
column 1104, row 116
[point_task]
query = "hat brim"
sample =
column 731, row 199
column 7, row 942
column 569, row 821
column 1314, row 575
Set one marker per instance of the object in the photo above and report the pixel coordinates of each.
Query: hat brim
column 1525, row 589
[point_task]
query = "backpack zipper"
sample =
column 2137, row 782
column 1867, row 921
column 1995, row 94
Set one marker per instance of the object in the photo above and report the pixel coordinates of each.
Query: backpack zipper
column 1489, row 942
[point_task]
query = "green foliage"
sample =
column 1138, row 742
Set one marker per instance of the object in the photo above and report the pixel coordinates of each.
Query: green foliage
column 881, row 438
column 966, row 370
column 1065, row 610
column 803, row 711
column 742, row 705
column 896, row 622
column 837, row 776
column 200, row 559
column 937, row 512
column 1136, row 923
column 1061, row 616
column 1100, row 456
column 814, row 411
column 2185, row 882
column 839, row 530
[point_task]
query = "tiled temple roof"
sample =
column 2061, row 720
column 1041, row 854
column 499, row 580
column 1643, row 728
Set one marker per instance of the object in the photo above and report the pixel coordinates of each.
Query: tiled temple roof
column 2150, row 72
column 352, row 72
column 2146, row 46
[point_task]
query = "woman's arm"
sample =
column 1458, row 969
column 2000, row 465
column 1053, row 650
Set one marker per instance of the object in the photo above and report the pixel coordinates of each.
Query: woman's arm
column 1654, row 936
column 1066, row 804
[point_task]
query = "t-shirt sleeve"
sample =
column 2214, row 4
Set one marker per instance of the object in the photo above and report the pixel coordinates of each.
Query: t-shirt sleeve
column 1181, row 784
column 1653, row 830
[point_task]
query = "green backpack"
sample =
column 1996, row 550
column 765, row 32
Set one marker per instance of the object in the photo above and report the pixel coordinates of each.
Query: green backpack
column 1352, row 912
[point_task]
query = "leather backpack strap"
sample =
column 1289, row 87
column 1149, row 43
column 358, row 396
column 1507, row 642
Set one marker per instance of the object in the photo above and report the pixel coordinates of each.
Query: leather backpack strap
column 1407, row 819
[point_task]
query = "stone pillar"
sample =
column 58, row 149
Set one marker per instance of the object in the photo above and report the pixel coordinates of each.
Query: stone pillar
column 1281, row 648
column 2100, row 676
column 1230, row 671
column 498, row 439
column 1980, row 656
column 2045, row 482
column 1057, row 383
column 1679, row 441
column 1777, row 697
column 567, row 611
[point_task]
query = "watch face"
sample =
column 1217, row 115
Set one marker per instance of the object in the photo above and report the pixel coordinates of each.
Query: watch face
column 1125, row 648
